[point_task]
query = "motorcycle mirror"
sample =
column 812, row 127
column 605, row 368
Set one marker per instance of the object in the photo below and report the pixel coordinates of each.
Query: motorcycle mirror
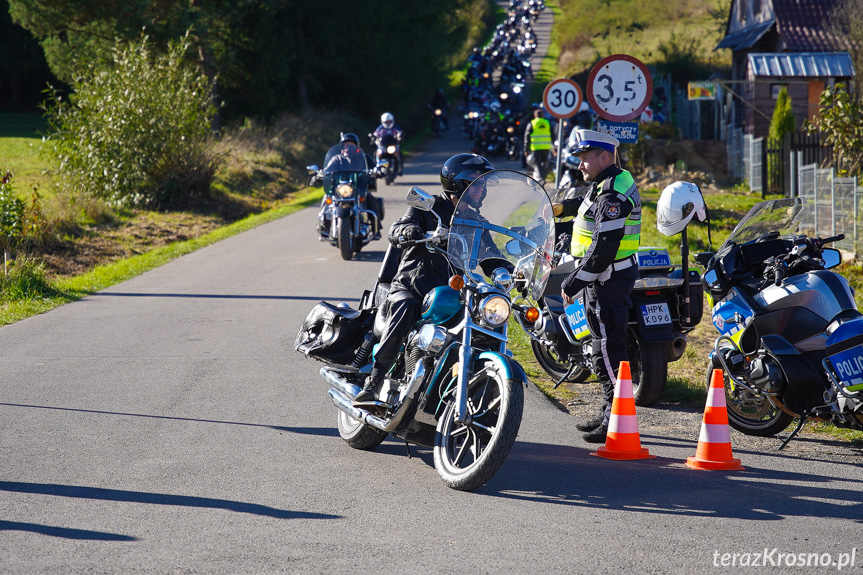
column 831, row 257
column 313, row 169
column 420, row 199
column 703, row 258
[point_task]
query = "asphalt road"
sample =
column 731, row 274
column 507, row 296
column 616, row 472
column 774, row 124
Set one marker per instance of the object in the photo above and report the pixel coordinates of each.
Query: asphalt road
column 165, row 425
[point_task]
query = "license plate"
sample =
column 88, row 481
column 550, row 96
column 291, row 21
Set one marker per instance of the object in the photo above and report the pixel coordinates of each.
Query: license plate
column 848, row 365
column 577, row 319
column 655, row 314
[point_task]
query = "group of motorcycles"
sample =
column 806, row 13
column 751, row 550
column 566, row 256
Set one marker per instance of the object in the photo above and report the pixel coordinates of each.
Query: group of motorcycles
column 494, row 111
column 789, row 345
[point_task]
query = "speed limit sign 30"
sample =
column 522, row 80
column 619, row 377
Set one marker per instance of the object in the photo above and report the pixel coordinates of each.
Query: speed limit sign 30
column 619, row 88
column 562, row 98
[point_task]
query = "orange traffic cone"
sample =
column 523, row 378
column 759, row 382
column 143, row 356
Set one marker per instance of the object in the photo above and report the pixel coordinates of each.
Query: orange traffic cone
column 623, row 440
column 714, row 441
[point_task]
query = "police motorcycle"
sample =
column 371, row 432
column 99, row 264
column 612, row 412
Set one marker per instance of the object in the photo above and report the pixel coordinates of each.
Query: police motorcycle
column 455, row 387
column 350, row 216
column 790, row 339
column 666, row 305
column 387, row 156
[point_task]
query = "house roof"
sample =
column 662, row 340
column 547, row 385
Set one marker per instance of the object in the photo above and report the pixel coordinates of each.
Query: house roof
column 802, row 64
column 802, row 26
column 746, row 38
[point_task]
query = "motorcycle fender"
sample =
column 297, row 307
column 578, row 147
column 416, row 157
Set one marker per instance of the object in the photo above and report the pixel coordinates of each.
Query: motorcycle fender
column 345, row 210
column 508, row 366
column 652, row 333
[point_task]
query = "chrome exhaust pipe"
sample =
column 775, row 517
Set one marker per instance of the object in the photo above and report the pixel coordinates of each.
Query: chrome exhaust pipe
column 335, row 379
column 344, row 393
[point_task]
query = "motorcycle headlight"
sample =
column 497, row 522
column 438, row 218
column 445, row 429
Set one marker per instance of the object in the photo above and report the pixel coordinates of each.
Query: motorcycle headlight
column 504, row 96
column 437, row 112
column 494, row 310
column 345, row 190
column 391, row 149
column 510, row 129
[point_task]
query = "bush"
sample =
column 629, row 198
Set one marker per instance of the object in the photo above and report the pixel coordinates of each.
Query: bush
column 24, row 279
column 12, row 212
column 135, row 130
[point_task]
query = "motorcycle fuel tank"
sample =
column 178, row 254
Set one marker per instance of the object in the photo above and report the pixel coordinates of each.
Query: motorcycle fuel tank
column 821, row 292
column 441, row 304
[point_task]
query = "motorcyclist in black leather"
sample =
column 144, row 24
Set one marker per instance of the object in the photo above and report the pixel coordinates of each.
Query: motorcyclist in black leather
column 439, row 101
column 376, row 204
column 423, row 267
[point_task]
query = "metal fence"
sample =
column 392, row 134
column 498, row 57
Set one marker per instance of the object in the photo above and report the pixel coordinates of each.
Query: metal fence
column 837, row 203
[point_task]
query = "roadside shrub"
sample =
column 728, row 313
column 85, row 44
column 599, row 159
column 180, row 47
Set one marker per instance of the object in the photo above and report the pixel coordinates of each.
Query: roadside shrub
column 136, row 129
column 24, row 279
column 12, row 213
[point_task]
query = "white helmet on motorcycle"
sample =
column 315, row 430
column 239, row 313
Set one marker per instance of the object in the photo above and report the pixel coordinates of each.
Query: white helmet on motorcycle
column 387, row 120
column 677, row 205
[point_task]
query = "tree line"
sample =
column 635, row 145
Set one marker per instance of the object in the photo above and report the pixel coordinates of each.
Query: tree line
column 266, row 57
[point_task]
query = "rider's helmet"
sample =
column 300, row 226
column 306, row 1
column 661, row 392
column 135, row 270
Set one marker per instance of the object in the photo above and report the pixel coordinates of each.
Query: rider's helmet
column 439, row 91
column 387, row 120
column 677, row 204
column 495, row 106
column 347, row 139
column 460, row 170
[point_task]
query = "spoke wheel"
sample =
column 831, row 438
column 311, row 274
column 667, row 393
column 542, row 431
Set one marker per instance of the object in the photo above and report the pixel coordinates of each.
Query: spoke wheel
column 467, row 455
column 357, row 434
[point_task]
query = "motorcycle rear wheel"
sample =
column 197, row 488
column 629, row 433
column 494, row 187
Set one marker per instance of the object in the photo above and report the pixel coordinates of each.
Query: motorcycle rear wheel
column 649, row 368
column 467, row 455
column 554, row 365
column 357, row 434
column 749, row 414
column 346, row 244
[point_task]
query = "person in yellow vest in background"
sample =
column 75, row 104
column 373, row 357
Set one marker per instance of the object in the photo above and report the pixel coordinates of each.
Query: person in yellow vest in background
column 605, row 238
column 537, row 144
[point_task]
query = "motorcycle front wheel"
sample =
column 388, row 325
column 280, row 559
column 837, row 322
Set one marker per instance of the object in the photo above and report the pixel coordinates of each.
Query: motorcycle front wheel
column 346, row 244
column 467, row 455
column 649, row 367
column 554, row 365
column 750, row 414
column 357, row 434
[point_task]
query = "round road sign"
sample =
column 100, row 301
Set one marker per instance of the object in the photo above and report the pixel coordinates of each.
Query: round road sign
column 619, row 88
column 561, row 98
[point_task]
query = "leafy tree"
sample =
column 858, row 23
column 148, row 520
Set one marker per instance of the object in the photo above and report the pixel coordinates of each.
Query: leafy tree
column 840, row 121
column 846, row 26
column 272, row 56
column 135, row 129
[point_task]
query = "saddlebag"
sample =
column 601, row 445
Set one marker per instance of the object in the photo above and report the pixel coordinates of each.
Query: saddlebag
column 333, row 333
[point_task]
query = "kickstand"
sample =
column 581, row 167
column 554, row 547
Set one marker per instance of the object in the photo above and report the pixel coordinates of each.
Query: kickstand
column 569, row 373
column 797, row 429
column 408, row 448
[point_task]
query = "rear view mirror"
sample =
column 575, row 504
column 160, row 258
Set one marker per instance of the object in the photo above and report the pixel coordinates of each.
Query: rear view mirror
column 420, row 199
column 313, row 169
column 831, row 257
column 703, row 258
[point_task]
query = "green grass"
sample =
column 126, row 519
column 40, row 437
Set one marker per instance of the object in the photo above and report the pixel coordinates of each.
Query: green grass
column 20, row 140
column 101, row 277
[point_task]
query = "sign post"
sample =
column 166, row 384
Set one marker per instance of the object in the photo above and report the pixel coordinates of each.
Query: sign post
column 561, row 98
column 619, row 89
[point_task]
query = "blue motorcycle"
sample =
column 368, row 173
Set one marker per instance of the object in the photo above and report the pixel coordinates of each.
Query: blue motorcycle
column 455, row 387
column 791, row 336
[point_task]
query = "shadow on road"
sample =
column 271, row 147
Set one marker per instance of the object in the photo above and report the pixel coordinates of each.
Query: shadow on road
column 323, row 431
column 564, row 475
column 100, row 494
column 229, row 296
column 64, row 532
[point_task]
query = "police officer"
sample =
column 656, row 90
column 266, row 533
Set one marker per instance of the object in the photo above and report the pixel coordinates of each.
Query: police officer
column 537, row 141
column 605, row 240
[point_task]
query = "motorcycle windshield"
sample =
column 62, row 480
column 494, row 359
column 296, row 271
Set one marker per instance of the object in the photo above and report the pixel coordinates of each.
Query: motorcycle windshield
column 783, row 216
column 504, row 214
column 345, row 163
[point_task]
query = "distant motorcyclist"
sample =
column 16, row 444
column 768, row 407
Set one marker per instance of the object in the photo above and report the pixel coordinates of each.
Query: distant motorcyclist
column 353, row 158
column 439, row 102
column 389, row 127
